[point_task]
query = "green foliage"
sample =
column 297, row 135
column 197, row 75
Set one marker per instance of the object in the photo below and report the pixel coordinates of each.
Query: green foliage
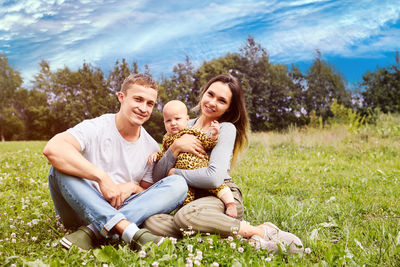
column 324, row 84
column 276, row 96
column 382, row 88
column 155, row 126
column 10, row 82
column 181, row 85
column 345, row 115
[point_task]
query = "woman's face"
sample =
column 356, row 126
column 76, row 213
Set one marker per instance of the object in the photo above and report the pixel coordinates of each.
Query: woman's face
column 216, row 100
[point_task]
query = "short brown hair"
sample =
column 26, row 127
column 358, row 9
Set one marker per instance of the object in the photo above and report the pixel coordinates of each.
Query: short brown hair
column 139, row 79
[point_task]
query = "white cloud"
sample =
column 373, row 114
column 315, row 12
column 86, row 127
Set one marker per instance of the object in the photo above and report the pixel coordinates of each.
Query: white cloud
column 72, row 31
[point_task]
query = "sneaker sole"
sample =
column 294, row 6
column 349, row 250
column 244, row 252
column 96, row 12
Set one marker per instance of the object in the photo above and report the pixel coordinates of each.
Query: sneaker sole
column 65, row 243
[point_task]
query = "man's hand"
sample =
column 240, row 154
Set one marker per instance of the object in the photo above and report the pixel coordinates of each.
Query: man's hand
column 188, row 143
column 111, row 192
column 129, row 189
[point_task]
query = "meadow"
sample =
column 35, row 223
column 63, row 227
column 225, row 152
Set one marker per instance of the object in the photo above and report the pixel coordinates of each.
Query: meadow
column 337, row 188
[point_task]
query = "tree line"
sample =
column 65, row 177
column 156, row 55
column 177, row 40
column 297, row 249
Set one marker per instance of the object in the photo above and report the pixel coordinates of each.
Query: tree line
column 276, row 95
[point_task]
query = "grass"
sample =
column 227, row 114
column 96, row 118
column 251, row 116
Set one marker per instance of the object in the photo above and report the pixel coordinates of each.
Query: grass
column 338, row 189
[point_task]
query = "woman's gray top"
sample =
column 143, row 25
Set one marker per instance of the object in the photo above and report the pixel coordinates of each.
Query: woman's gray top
column 216, row 172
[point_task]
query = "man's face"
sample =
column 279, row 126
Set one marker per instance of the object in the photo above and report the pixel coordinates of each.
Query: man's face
column 137, row 104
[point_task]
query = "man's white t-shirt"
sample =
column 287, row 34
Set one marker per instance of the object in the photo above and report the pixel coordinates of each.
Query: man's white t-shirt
column 103, row 145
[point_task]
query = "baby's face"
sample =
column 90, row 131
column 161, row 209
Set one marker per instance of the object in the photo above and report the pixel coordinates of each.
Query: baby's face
column 175, row 119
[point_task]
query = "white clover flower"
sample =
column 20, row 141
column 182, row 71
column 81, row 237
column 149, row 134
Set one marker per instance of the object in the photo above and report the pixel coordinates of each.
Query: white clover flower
column 200, row 240
column 240, row 249
column 230, row 238
column 173, row 240
column 210, row 241
column 13, row 240
column 196, row 262
column 155, row 264
column 13, row 235
column 142, row 254
column 215, row 264
column 233, row 245
column 199, row 252
column 48, row 245
column 34, row 238
column 268, row 259
column 307, row 250
column 189, row 262
column 190, row 247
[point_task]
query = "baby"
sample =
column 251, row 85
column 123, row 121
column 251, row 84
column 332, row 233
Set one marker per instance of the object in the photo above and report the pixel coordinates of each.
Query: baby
column 176, row 119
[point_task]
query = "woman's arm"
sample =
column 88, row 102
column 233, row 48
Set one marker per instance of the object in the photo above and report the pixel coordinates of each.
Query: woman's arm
column 186, row 143
column 220, row 160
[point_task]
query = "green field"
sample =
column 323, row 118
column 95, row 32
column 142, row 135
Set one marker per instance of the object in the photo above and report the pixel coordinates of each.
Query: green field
column 337, row 188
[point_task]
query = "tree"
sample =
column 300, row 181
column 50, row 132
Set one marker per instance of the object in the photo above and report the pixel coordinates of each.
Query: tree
column 10, row 82
column 73, row 96
column 382, row 88
column 181, row 84
column 116, row 78
column 324, row 84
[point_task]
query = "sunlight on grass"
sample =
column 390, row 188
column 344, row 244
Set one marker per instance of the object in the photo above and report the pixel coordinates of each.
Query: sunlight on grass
column 336, row 188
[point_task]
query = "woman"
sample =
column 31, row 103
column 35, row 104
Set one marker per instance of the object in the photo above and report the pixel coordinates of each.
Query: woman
column 222, row 99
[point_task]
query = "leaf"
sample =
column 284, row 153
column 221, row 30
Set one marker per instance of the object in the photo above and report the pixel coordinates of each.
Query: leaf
column 106, row 254
column 328, row 225
column 359, row 244
column 314, row 234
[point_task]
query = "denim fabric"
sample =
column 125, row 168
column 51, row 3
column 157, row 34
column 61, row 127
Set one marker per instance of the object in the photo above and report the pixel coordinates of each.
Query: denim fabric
column 78, row 203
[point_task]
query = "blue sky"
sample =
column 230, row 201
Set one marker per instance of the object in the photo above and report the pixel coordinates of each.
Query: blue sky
column 355, row 36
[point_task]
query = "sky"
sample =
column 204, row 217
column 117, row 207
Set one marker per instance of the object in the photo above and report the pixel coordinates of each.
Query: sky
column 353, row 35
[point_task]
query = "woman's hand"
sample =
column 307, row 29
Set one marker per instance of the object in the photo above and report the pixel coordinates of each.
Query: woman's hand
column 187, row 143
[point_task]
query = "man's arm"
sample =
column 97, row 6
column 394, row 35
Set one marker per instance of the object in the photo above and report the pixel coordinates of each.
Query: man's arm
column 63, row 151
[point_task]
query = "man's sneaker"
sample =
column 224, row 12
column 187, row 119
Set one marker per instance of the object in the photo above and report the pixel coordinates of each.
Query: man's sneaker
column 144, row 236
column 83, row 238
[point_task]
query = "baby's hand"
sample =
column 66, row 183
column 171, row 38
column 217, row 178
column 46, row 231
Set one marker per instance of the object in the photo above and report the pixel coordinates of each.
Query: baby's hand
column 214, row 130
column 152, row 158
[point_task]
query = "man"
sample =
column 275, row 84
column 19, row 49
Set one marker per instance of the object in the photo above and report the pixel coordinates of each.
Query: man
column 99, row 173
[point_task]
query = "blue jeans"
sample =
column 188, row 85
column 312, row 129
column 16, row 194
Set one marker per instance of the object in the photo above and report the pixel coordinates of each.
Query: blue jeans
column 78, row 203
